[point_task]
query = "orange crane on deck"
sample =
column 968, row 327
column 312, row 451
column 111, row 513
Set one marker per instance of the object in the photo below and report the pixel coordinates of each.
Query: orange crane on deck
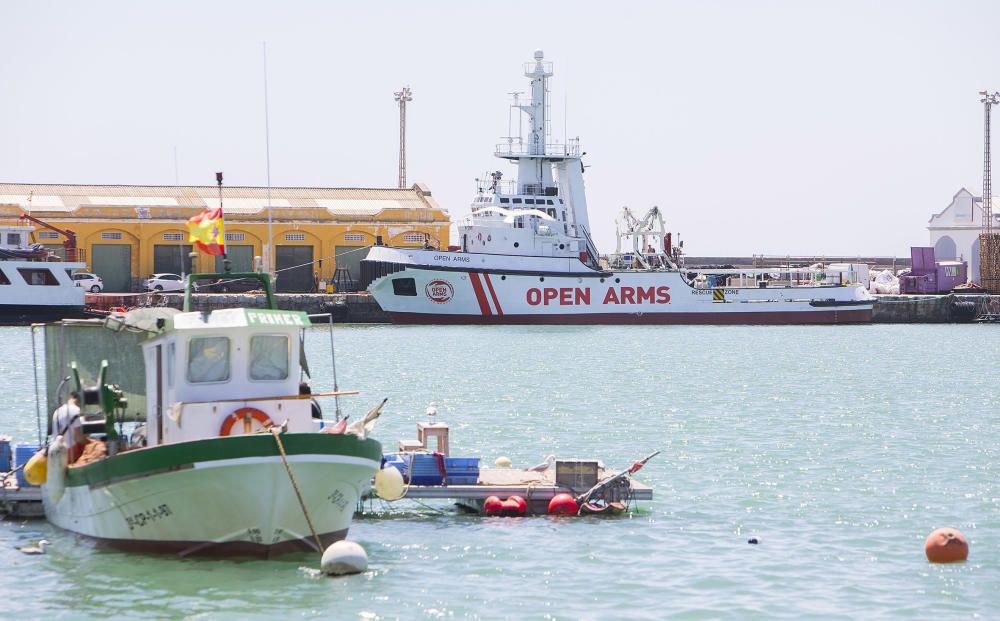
column 69, row 245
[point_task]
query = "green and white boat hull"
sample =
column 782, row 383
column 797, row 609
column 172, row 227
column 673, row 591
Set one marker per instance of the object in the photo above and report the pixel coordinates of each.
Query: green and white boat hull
column 227, row 496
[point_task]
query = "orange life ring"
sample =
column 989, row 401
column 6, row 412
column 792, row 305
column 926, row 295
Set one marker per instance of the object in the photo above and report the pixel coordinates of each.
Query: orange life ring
column 246, row 415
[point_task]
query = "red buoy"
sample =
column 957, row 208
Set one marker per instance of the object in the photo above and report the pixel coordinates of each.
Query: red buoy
column 946, row 545
column 563, row 504
column 522, row 504
column 493, row 506
column 512, row 508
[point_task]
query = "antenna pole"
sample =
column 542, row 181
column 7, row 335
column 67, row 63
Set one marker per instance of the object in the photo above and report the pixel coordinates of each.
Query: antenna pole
column 268, row 258
column 402, row 97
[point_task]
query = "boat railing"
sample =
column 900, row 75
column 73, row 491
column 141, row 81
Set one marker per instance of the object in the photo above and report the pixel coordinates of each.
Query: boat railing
column 549, row 149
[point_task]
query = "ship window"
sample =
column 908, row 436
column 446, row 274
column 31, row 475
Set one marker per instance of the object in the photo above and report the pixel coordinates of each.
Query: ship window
column 13, row 239
column 404, row 286
column 36, row 276
column 517, row 201
column 269, row 357
column 529, row 201
column 208, row 359
column 3, row 278
column 548, row 201
column 504, row 201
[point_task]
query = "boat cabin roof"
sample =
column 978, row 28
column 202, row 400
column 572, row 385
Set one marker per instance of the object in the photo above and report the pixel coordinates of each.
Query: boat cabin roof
column 238, row 318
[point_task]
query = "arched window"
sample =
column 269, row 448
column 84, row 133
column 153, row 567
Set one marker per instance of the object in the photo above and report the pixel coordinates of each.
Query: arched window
column 944, row 249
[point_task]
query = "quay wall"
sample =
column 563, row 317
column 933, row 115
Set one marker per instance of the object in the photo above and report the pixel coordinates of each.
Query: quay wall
column 362, row 307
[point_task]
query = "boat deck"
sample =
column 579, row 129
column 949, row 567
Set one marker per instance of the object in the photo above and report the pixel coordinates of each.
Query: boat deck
column 20, row 502
column 537, row 488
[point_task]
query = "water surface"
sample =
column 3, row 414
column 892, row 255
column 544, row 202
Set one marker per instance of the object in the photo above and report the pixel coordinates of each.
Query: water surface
column 839, row 447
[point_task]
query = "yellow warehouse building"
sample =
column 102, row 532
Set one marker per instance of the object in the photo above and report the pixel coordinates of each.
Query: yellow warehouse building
column 126, row 233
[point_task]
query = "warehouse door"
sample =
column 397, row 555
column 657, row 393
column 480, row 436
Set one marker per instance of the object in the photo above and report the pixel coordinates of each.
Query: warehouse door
column 292, row 279
column 240, row 259
column 172, row 259
column 113, row 263
column 349, row 258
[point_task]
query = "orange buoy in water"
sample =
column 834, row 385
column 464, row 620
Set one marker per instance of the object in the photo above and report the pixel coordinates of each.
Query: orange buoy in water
column 946, row 545
column 563, row 504
column 493, row 506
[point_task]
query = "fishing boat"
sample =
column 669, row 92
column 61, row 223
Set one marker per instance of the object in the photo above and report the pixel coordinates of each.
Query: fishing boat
column 227, row 458
column 526, row 256
column 34, row 284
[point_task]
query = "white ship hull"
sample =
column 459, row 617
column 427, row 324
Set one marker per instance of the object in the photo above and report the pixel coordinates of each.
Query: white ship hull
column 573, row 294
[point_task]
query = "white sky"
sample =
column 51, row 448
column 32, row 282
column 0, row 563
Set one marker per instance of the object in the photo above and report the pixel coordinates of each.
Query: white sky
column 759, row 127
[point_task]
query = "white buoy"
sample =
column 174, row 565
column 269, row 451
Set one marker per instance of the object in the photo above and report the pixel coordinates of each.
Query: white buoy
column 389, row 483
column 344, row 557
column 503, row 462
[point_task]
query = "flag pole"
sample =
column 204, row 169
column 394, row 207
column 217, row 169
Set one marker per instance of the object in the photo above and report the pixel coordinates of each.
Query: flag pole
column 225, row 259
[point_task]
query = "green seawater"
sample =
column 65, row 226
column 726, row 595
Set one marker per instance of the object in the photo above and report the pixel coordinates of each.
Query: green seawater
column 839, row 447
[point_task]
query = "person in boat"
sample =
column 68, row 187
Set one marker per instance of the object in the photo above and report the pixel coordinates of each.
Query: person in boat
column 66, row 423
column 317, row 412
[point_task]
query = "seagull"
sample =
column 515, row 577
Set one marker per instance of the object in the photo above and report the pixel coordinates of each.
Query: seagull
column 432, row 410
column 39, row 549
column 545, row 465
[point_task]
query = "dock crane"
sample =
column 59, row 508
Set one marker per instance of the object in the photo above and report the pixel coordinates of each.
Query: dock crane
column 69, row 245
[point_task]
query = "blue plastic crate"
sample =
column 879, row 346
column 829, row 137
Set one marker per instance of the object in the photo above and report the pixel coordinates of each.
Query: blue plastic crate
column 5, row 454
column 424, row 470
column 22, row 453
column 462, row 470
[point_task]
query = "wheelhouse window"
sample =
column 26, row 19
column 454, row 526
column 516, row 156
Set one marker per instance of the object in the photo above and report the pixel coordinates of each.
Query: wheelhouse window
column 13, row 239
column 404, row 286
column 208, row 359
column 269, row 355
column 38, row 276
column 3, row 278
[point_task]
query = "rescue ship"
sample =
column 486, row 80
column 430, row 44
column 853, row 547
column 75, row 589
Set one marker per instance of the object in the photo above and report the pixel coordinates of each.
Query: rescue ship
column 525, row 256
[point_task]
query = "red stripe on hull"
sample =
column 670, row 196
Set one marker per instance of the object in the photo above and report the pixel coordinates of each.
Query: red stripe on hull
column 493, row 294
column 477, row 286
column 853, row 315
column 223, row 549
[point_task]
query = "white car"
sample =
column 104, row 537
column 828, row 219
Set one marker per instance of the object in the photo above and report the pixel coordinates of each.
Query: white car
column 91, row 282
column 163, row 282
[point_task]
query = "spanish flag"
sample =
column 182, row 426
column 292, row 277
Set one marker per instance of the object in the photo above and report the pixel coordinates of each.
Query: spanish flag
column 206, row 231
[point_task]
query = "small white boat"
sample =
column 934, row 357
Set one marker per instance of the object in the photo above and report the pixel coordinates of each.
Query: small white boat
column 232, row 461
column 34, row 285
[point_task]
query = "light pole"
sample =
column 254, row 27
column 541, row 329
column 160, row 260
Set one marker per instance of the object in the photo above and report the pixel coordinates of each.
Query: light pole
column 402, row 97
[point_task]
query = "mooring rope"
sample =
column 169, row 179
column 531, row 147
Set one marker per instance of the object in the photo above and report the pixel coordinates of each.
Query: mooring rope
column 276, row 432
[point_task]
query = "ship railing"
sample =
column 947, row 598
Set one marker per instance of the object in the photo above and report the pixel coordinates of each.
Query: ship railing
column 550, row 149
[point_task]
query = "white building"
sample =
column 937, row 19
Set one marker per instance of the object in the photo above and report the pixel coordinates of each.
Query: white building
column 954, row 232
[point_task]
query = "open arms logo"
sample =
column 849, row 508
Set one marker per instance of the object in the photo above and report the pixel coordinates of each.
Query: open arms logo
column 440, row 291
